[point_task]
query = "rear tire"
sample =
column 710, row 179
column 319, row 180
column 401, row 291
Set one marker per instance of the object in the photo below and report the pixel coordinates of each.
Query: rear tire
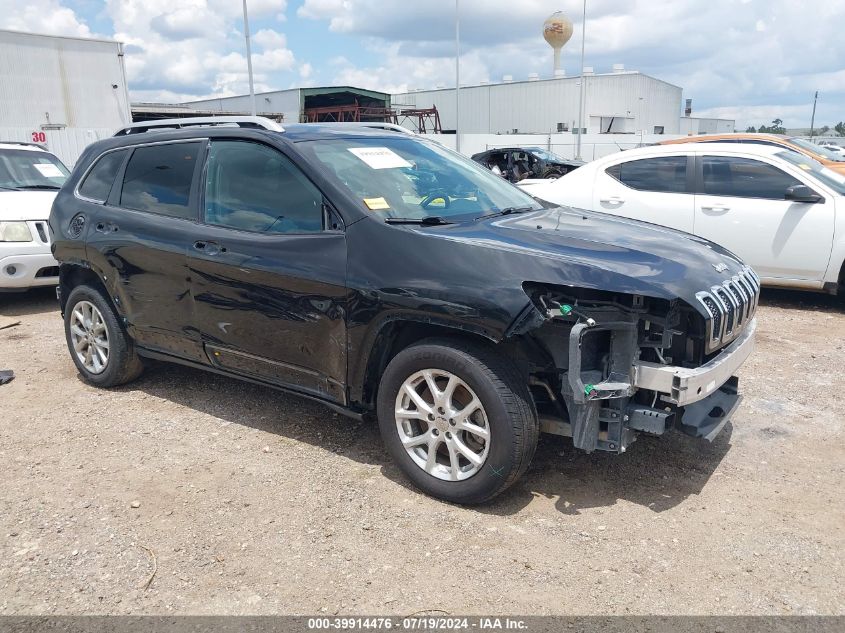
column 438, row 445
column 99, row 346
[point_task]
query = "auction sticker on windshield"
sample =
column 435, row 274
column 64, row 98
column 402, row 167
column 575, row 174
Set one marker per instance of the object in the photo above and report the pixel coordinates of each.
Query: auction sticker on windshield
column 376, row 204
column 48, row 170
column 380, row 157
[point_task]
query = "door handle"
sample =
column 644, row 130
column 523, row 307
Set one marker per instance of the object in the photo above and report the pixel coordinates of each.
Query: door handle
column 612, row 200
column 716, row 208
column 106, row 227
column 208, row 247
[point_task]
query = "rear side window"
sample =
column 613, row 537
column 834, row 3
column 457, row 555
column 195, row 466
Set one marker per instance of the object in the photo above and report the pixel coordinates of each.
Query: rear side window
column 664, row 174
column 252, row 187
column 98, row 182
column 158, row 179
column 744, row 178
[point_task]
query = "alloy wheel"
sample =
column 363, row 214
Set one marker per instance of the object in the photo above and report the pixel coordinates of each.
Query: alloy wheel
column 89, row 337
column 442, row 424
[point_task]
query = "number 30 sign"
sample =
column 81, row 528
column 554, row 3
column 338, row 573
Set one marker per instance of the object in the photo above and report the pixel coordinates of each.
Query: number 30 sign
column 39, row 137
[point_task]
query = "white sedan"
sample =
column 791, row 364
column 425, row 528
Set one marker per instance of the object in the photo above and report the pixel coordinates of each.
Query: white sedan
column 781, row 212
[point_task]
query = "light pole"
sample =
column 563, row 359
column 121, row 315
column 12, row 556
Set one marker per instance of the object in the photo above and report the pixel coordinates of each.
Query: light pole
column 457, row 76
column 249, row 62
column 581, row 94
column 813, row 118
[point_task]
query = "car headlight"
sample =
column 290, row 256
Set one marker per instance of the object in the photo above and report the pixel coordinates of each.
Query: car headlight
column 15, row 232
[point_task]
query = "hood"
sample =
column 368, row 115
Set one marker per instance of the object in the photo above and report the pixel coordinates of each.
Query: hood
column 25, row 205
column 568, row 163
column 567, row 246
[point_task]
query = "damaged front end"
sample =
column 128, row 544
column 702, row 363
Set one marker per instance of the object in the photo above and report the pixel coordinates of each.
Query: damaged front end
column 605, row 366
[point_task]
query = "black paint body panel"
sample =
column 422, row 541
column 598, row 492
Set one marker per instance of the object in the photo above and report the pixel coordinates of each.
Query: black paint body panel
column 303, row 311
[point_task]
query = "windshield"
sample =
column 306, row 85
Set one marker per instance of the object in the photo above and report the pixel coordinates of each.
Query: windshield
column 818, row 150
column 546, row 155
column 820, row 172
column 27, row 169
column 407, row 177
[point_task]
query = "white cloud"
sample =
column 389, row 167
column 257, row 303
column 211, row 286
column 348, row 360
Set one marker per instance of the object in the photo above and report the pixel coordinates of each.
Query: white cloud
column 41, row 16
column 323, row 9
column 195, row 48
column 270, row 39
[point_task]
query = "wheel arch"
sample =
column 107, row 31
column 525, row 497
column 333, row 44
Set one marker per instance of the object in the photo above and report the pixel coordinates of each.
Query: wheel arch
column 73, row 275
column 395, row 335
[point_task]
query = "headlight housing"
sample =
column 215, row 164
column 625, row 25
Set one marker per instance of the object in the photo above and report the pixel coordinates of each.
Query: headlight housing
column 15, row 232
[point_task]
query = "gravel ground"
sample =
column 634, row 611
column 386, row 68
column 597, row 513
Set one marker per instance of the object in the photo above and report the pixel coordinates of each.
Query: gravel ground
column 190, row 493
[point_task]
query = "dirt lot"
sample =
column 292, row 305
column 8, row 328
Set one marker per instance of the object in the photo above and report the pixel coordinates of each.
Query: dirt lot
column 252, row 501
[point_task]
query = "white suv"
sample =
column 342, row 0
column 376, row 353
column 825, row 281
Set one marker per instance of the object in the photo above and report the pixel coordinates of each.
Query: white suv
column 30, row 176
column 780, row 211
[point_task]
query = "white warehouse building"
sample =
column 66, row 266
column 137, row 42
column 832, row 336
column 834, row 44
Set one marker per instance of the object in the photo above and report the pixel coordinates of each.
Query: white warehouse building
column 620, row 102
column 61, row 92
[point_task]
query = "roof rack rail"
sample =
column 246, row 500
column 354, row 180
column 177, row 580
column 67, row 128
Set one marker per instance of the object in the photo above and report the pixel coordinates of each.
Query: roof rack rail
column 258, row 122
column 380, row 125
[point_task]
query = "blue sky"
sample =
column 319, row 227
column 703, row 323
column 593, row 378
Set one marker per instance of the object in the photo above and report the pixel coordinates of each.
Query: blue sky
column 752, row 60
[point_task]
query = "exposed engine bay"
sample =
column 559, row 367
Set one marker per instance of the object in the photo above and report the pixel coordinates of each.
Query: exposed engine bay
column 617, row 365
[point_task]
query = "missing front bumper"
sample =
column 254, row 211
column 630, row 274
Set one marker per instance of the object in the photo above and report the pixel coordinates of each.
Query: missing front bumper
column 683, row 386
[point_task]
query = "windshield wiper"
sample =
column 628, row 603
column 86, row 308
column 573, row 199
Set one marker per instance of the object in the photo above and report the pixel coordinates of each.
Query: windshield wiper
column 505, row 211
column 50, row 187
column 429, row 220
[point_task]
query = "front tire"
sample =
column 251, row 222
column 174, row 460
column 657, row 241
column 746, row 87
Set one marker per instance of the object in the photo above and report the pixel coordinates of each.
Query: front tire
column 458, row 419
column 100, row 348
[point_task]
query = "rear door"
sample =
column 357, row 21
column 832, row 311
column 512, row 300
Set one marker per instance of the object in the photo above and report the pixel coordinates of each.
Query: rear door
column 656, row 190
column 268, row 272
column 740, row 204
column 138, row 239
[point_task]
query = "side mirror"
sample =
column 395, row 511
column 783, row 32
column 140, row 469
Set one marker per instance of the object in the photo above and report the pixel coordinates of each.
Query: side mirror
column 802, row 193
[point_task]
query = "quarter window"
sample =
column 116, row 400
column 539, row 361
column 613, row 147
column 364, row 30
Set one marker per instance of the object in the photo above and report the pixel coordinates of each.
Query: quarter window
column 664, row 174
column 98, row 182
column 744, row 178
column 252, row 187
column 158, row 179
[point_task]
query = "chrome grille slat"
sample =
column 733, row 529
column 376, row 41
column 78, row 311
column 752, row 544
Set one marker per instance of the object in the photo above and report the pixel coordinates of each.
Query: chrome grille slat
column 731, row 307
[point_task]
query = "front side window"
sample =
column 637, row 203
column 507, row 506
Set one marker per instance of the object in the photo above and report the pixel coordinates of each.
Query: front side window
column 251, row 187
column 158, row 179
column 27, row 169
column 744, row 178
column 98, row 182
column 663, row 174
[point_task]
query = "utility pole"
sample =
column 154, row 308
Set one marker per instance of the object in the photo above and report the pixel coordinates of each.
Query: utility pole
column 813, row 118
column 581, row 94
column 457, row 76
column 249, row 62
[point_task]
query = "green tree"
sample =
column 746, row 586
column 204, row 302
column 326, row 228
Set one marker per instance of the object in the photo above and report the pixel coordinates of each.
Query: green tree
column 751, row 129
column 840, row 128
column 775, row 128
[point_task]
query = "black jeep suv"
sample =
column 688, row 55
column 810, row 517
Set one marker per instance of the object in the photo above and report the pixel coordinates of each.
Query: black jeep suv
column 387, row 276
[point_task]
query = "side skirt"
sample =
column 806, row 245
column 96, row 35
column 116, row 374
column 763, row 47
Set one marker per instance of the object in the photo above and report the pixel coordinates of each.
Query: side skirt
column 349, row 413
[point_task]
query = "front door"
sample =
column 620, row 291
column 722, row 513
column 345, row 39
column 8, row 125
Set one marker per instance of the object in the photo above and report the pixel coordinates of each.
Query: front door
column 267, row 277
column 741, row 206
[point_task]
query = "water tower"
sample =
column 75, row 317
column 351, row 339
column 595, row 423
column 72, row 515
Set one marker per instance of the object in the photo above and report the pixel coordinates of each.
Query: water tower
column 557, row 30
